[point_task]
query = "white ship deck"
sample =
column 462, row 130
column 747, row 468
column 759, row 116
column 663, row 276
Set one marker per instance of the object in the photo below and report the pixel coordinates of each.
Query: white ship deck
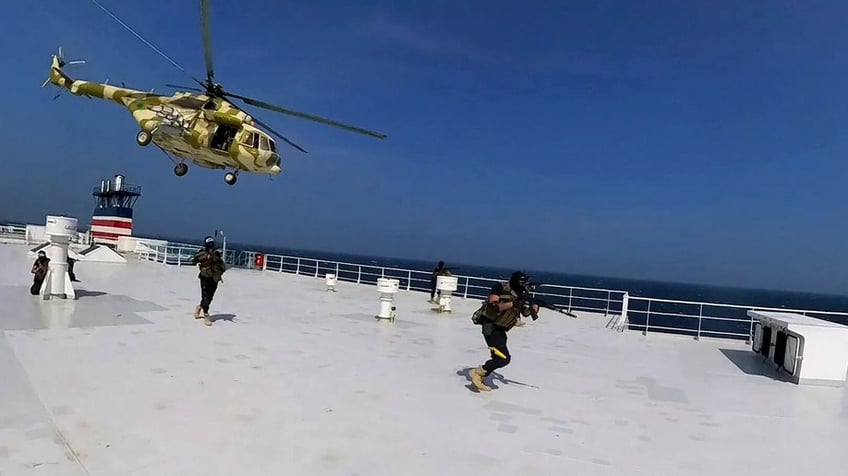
column 294, row 380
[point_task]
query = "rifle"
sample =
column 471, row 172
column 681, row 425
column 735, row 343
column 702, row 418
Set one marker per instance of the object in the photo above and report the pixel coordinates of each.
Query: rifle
column 528, row 300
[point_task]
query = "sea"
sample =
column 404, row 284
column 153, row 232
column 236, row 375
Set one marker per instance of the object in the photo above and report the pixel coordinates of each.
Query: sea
column 721, row 321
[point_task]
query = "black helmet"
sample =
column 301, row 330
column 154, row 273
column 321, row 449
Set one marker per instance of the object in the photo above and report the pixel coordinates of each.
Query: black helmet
column 518, row 280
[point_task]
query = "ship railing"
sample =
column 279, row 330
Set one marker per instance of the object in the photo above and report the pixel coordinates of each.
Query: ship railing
column 13, row 232
column 16, row 232
column 692, row 318
column 706, row 319
column 573, row 298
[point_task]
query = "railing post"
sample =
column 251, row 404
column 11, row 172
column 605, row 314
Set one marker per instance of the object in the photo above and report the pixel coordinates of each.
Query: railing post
column 337, row 270
column 408, row 280
column 750, row 329
column 625, row 301
column 606, row 311
column 297, row 268
column 316, row 267
column 465, row 293
column 647, row 318
column 358, row 273
column 570, row 293
column 700, row 318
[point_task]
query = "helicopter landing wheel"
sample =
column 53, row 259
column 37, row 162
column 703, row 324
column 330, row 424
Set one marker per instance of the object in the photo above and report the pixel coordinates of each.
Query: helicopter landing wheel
column 231, row 178
column 143, row 138
column 181, row 169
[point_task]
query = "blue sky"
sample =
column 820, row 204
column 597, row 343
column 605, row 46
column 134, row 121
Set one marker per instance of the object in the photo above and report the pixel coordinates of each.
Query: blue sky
column 687, row 141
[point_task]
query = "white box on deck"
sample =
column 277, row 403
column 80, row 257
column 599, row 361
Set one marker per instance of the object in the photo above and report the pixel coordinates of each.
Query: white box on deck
column 812, row 351
column 36, row 233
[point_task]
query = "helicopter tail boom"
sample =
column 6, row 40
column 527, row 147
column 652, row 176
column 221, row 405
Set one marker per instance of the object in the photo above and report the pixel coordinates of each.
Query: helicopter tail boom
column 90, row 89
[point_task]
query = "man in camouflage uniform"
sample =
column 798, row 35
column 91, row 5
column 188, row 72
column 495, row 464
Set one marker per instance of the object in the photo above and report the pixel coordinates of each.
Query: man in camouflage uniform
column 211, row 271
column 497, row 315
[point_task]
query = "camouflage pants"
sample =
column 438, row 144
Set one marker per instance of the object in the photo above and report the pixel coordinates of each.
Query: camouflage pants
column 208, row 286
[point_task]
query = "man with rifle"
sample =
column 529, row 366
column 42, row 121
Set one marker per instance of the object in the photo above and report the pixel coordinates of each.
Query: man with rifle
column 497, row 315
column 500, row 313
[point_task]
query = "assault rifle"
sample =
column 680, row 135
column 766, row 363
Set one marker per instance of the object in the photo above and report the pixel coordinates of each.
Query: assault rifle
column 528, row 300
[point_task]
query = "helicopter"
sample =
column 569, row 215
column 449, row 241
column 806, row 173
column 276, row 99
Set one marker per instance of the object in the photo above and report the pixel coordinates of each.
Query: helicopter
column 204, row 126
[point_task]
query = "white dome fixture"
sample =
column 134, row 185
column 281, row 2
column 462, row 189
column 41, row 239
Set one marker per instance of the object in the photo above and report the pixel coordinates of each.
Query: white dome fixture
column 331, row 279
column 57, row 283
column 387, row 289
column 446, row 285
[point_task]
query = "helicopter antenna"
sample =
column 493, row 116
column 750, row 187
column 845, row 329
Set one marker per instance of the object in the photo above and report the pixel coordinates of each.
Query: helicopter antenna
column 137, row 35
column 142, row 39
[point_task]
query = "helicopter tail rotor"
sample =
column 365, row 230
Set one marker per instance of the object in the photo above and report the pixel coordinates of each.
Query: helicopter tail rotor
column 57, row 75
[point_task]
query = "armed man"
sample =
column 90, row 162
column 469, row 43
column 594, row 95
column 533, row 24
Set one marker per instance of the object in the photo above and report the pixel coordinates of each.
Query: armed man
column 211, row 273
column 439, row 270
column 497, row 315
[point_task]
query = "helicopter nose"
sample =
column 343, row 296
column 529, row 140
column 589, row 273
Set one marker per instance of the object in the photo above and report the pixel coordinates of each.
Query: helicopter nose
column 275, row 169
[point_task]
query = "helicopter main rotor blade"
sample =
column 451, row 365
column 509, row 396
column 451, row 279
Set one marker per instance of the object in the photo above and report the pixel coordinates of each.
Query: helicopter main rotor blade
column 207, row 43
column 272, row 131
column 310, row 117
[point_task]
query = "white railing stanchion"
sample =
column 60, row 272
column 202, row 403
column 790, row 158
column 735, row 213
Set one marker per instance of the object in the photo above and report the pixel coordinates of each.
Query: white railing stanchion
column 647, row 318
column 700, row 319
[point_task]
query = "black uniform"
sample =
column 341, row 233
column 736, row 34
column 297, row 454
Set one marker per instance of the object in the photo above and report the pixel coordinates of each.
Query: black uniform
column 211, row 270
column 495, row 336
column 496, row 323
column 39, row 271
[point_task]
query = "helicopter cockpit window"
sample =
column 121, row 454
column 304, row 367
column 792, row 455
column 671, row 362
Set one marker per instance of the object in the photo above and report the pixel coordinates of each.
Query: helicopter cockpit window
column 263, row 143
column 249, row 139
column 273, row 146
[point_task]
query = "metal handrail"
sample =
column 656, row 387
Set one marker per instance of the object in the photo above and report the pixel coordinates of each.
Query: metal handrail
column 719, row 320
column 410, row 279
column 643, row 313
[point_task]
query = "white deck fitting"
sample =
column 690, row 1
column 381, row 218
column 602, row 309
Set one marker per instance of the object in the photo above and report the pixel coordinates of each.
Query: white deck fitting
column 814, row 351
column 293, row 380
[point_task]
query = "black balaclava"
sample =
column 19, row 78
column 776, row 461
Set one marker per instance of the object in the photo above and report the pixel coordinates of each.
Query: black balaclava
column 517, row 281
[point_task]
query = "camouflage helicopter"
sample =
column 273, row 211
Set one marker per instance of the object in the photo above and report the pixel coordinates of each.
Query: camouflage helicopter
column 205, row 127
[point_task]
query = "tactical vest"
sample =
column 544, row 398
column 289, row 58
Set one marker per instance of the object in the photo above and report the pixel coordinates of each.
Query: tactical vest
column 210, row 265
column 489, row 311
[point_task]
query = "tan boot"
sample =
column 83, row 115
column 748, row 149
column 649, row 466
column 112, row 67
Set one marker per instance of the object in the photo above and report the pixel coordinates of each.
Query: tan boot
column 197, row 311
column 477, row 379
column 206, row 319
